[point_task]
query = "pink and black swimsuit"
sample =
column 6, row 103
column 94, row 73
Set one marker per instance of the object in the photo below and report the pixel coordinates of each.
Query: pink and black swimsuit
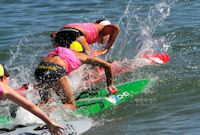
column 91, row 32
column 50, row 72
column 72, row 31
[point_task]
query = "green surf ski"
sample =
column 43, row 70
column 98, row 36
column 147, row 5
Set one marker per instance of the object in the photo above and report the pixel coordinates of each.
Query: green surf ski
column 91, row 103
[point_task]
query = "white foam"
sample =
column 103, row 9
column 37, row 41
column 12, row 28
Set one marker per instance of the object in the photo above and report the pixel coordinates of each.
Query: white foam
column 24, row 117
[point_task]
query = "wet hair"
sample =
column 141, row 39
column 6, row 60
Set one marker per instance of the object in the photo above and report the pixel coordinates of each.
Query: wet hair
column 66, row 36
column 3, row 72
column 6, row 73
column 61, row 39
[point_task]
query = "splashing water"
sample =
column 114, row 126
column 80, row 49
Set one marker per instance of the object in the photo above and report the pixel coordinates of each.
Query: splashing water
column 156, row 17
column 132, row 43
column 144, row 39
column 23, row 61
column 28, row 118
column 23, row 58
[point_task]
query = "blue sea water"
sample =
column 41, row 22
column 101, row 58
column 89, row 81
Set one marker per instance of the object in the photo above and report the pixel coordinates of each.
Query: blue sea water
column 170, row 106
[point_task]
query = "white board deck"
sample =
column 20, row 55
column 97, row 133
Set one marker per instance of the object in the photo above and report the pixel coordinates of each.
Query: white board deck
column 70, row 128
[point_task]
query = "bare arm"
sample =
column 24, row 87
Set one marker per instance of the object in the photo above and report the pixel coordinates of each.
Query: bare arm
column 88, row 49
column 69, row 98
column 82, row 40
column 113, row 31
column 95, row 61
column 110, row 30
column 10, row 94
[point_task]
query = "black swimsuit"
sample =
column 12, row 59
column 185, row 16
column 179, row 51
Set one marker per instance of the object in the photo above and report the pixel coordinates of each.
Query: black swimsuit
column 49, row 73
column 66, row 36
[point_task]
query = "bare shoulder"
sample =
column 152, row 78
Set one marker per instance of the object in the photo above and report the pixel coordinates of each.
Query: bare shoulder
column 81, row 56
column 6, row 89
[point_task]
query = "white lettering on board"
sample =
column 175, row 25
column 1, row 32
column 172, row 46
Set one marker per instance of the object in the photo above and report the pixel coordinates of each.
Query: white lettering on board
column 124, row 94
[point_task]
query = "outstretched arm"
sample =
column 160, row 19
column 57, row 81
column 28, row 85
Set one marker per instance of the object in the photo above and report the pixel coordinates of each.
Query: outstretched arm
column 109, row 33
column 88, row 49
column 113, row 31
column 82, row 40
column 95, row 61
column 68, row 95
column 9, row 93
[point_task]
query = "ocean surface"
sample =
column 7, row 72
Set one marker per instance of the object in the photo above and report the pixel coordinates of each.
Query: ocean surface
column 170, row 106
